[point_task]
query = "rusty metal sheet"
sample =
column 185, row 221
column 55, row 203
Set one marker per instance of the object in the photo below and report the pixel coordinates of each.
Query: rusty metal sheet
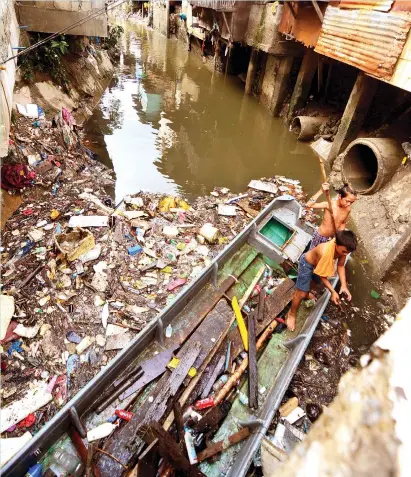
column 369, row 40
column 218, row 5
column 380, row 5
column 401, row 5
column 305, row 27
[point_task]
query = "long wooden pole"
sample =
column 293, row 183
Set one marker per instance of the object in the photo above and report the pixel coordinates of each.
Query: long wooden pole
column 243, row 366
column 327, row 194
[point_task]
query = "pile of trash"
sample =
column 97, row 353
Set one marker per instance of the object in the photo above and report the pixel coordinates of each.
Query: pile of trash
column 82, row 276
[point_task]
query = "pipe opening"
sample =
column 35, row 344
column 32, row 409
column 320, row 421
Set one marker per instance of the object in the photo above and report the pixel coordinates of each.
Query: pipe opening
column 296, row 126
column 361, row 167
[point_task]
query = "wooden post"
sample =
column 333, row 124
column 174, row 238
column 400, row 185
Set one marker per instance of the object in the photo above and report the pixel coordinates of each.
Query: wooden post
column 280, row 84
column 303, row 83
column 327, row 194
column 251, row 72
column 357, row 107
column 252, row 364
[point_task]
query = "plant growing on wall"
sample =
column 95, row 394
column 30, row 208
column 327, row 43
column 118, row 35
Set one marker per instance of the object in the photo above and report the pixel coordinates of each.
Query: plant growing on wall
column 47, row 58
column 114, row 35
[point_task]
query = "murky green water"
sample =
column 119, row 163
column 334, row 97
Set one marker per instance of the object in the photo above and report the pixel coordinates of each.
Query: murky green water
column 167, row 124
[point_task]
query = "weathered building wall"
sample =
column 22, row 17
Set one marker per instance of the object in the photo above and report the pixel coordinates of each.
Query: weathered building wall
column 161, row 16
column 49, row 17
column 9, row 38
column 365, row 430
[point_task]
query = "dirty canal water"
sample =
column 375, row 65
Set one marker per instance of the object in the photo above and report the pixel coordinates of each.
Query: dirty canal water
column 168, row 124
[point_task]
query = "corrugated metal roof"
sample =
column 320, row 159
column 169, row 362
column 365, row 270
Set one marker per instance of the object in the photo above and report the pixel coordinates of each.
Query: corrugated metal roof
column 381, row 5
column 369, row 40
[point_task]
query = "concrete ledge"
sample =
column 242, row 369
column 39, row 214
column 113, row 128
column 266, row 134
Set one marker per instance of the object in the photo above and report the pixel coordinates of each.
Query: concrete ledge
column 47, row 20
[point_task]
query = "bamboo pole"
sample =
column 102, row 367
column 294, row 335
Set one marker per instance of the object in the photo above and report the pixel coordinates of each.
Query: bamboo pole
column 327, row 194
column 243, row 366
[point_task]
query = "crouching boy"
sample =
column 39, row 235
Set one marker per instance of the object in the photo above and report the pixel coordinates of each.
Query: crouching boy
column 319, row 262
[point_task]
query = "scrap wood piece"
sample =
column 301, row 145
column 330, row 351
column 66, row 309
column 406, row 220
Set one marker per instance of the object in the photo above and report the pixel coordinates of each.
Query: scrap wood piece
column 274, row 305
column 125, row 442
column 228, row 317
column 250, row 289
column 195, row 315
column 178, row 415
column 261, row 305
column 221, row 446
column 243, row 366
column 252, row 364
column 217, row 370
column 169, row 449
column 147, row 462
column 210, row 332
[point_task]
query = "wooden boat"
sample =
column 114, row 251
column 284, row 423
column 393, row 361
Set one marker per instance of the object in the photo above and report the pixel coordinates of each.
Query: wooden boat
column 202, row 324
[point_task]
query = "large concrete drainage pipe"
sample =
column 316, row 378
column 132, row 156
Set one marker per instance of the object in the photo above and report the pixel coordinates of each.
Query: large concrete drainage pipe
column 306, row 127
column 369, row 163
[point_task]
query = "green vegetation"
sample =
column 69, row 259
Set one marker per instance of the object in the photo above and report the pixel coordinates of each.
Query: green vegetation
column 114, row 35
column 47, row 58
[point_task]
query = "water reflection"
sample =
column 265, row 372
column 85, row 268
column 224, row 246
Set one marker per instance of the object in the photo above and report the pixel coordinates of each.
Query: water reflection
column 168, row 124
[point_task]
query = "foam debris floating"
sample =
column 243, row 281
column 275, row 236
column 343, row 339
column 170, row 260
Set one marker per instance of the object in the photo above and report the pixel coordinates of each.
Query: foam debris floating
column 263, row 186
column 88, row 221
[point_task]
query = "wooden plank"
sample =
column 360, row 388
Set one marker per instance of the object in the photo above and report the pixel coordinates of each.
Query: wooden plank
column 147, row 462
column 252, row 364
column 274, row 305
column 178, row 416
column 192, row 387
column 217, row 370
column 222, row 445
column 261, row 305
column 124, row 444
column 195, row 312
column 169, row 449
column 125, row 441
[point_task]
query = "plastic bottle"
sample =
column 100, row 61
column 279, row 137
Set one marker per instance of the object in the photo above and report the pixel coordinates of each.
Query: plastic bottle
column 243, row 398
column 68, row 462
column 35, row 471
column 100, row 431
column 191, row 451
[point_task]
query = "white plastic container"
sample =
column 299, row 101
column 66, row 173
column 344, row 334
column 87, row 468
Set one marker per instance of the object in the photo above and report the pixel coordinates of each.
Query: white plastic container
column 103, row 430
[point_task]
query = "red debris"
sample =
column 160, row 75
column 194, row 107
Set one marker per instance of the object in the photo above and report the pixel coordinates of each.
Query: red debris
column 124, row 414
column 27, row 422
column 16, row 176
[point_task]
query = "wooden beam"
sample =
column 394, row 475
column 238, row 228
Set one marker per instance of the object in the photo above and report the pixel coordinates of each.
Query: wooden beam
column 169, row 449
column 261, row 305
column 147, row 462
column 318, row 10
column 227, row 26
column 289, row 5
column 178, row 415
column 223, row 445
column 252, row 364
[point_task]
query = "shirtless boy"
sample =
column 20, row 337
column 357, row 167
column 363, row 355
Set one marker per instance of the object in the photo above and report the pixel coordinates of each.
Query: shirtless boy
column 341, row 209
column 321, row 257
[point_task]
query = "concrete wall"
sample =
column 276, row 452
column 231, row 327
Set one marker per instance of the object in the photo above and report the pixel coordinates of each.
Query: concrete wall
column 161, row 16
column 49, row 17
column 9, row 37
